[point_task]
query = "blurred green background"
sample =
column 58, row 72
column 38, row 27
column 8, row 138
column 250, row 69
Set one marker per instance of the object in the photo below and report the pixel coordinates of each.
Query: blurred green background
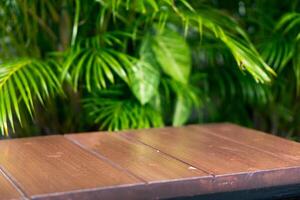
column 83, row 65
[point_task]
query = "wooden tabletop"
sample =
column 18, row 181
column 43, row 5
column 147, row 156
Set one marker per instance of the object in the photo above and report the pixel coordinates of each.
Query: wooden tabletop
column 146, row 164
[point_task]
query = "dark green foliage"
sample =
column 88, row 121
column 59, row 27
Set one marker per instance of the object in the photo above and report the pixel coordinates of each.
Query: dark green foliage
column 123, row 64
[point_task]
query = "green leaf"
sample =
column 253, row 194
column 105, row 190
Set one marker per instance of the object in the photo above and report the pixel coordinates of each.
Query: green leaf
column 173, row 55
column 145, row 76
column 144, row 81
column 182, row 111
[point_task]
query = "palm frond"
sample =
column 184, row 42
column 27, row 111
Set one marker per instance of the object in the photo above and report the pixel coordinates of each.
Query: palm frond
column 296, row 67
column 21, row 82
column 95, row 66
column 142, row 6
column 277, row 51
column 113, row 112
column 281, row 50
column 234, row 86
column 289, row 22
column 225, row 29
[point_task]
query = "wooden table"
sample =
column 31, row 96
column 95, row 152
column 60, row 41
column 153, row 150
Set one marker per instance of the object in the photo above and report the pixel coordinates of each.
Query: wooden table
column 147, row 164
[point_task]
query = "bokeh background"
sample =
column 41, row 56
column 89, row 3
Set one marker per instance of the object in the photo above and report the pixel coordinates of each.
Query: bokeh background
column 84, row 65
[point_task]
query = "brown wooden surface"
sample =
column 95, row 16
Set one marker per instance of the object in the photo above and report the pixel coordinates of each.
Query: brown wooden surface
column 147, row 164
column 208, row 151
column 285, row 149
column 53, row 164
column 7, row 190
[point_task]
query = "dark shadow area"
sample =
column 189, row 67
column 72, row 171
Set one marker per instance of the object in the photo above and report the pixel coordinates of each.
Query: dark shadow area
column 290, row 192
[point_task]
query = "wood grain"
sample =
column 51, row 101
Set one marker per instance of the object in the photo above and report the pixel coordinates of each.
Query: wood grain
column 166, row 176
column 7, row 190
column 208, row 152
column 148, row 164
column 53, row 164
column 145, row 162
column 285, row 149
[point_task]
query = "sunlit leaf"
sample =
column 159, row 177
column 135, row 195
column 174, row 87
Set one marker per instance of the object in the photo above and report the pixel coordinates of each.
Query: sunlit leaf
column 21, row 82
column 173, row 55
column 145, row 75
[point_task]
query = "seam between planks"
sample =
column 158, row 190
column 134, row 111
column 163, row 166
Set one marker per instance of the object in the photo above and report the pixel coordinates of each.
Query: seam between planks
column 248, row 146
column 105, row 159
column 134, row 141
column 14, row 183
column 169, row 155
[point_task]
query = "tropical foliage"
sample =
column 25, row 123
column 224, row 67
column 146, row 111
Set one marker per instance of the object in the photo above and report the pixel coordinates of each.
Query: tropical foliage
column 77, row 65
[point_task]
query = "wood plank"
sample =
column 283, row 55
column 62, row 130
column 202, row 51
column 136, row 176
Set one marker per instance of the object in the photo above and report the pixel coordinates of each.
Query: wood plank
column 149, row 164
column 285, row 149
column 53, row 164
column 166, row 176
column 235, row 166
column 207, row 152
column 145, row 162
column 7, row 189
